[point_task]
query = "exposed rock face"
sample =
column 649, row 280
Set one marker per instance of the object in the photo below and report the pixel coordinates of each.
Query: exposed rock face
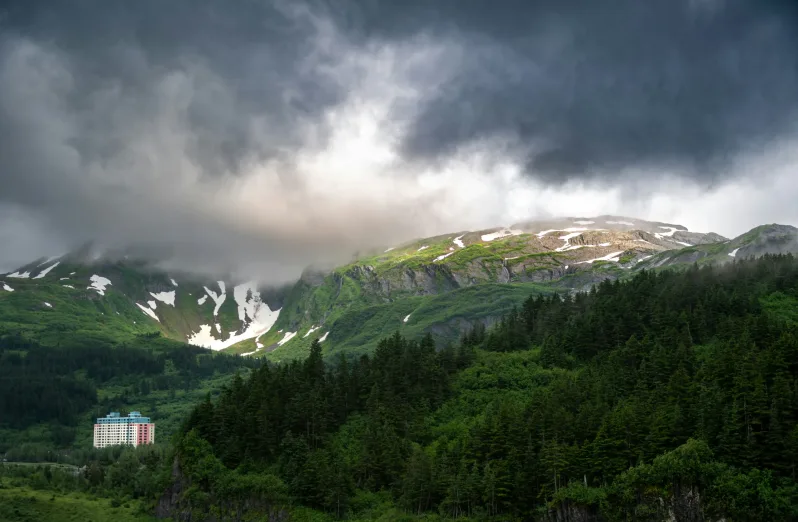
column 169, row 504
column 531, row 252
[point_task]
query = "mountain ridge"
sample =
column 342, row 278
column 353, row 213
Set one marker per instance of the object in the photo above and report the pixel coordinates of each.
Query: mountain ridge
column 418, row 286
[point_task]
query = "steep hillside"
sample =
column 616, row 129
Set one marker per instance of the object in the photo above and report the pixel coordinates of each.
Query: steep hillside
column 764, row 239
column 666, row 397
column 439, row 285
column 118, row 298
column 393, row 288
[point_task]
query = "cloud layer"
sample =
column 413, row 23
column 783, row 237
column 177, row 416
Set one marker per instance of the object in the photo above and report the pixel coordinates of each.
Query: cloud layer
column 263, row 136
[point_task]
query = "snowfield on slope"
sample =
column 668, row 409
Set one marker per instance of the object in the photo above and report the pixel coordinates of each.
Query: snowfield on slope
column 609, row 257
column 501, row 233
column 148, row 312
column 217, row 298
column 312, row 329
column 288, row 336
column 441, row 258
column 165, row 297
column 99, row 284
column 256, row 315
column 46, row 270
column 7, row 288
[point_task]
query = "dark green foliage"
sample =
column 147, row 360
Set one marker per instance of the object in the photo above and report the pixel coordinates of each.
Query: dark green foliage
column 670, row 394
column 58, row 386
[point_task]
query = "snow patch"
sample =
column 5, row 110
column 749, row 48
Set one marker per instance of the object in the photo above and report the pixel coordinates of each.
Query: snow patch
column 173, row 282
column 509, row 258
column 407, row 317
column 609, row 257
column 583, row 222
column 669, row 233
column 441, row 258
column 17, row 275
column 47, row 270
column 459, row 241
column 64, row 279
column 68, row 286
column 250, row 353
column 569, row 229
column 567, row 238
column 48, row 305
column 218, row 328
column 201, row 300
column 389, row 250
column 627, row 223
column 501, row 233
column 99, row 283
column 733, row 253
column 148, row 312
column 152, row 304
column 165, row 297
column 682, row 243
column 256, row 314
column 217, row 298
column 7, row 288
column 324, row 337
column 423, row 248
column 50, row 260
column 604, row 244
column 288, row 336
column 311, row 331
column 249, row 302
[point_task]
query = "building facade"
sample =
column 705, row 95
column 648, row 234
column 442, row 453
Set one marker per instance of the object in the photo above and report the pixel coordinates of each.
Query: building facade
column 113, row 430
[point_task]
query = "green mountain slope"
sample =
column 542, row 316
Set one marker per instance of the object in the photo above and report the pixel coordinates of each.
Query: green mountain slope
column 669, row 396
column 69, row 297
column 432, row 279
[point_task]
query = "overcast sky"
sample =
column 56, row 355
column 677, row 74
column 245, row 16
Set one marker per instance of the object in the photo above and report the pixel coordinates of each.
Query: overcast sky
column 261, row 136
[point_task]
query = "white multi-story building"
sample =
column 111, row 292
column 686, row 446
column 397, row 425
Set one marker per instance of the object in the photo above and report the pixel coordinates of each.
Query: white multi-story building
column 113, row 430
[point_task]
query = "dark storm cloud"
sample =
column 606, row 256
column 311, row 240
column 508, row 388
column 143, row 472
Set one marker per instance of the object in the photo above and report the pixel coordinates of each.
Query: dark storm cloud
column 600, row 86
column 255, row 47
column 206, row 126
column 580, row 86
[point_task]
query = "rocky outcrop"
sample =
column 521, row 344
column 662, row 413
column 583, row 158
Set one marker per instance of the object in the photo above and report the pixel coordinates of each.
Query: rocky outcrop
column 169, row 505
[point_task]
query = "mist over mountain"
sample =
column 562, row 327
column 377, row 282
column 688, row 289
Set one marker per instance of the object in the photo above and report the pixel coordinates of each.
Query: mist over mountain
column 265, row 136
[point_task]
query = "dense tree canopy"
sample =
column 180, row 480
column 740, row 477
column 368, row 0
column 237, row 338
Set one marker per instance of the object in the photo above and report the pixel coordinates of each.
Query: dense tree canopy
column 672, row 392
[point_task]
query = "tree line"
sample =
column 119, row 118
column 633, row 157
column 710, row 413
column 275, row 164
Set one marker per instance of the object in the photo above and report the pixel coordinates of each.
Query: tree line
column 675, row 390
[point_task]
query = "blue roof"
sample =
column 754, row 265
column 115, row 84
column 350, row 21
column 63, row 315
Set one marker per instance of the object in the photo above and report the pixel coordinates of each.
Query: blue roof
column 134, row 417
